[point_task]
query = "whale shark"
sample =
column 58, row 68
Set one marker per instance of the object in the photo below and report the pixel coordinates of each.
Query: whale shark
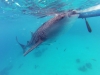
column 55, row 25
column 49, row 29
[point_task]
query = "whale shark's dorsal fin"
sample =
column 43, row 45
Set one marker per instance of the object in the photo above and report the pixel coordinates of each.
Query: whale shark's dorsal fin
column 23, row 46
column 88, row 26
column 33, row 47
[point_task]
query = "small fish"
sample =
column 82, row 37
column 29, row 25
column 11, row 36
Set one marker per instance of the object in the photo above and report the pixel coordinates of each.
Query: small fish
column 36, row 66
column 65, row 49
column 94, row 59
column 57, row 48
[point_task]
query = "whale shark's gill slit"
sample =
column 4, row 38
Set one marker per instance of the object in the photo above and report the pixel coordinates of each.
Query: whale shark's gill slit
column 88, row 26
column 33, row 47
column 22, row 46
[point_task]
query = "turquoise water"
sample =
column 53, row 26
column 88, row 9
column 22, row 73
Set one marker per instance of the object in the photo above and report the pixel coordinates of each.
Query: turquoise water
column 75, row 52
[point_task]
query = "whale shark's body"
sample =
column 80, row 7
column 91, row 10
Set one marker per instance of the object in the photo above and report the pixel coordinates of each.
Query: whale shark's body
column 49, row 29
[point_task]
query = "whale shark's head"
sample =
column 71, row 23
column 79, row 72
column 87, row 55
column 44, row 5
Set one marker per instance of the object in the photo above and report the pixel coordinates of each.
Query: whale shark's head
column 71, row 13
column 68, row 18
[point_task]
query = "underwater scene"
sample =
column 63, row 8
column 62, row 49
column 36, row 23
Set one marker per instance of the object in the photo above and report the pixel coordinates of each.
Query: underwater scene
column 49, row 37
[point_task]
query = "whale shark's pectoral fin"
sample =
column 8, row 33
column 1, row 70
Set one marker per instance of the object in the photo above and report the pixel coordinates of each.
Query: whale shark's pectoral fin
column 88, row 26
column 23, row 46
column 33, row 47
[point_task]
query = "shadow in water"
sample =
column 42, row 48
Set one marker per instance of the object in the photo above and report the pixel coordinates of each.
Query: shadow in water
column 5, row 71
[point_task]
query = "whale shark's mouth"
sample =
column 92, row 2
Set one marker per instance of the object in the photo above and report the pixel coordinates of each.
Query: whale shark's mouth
column 69, row 22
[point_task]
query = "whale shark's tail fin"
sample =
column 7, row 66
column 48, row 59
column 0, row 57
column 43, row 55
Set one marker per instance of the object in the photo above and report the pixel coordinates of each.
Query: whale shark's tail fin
column 23, row 46
column 88, row 26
